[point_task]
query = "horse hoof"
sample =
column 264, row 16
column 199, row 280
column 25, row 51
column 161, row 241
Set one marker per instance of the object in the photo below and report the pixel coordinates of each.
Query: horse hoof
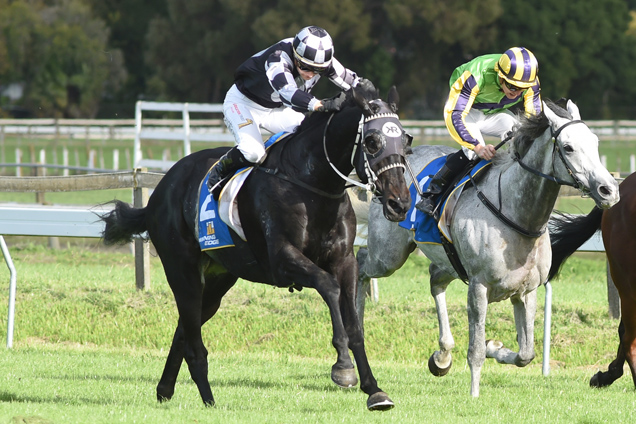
column 209, row 403
column 492, row 346
column 437, row 371
column 344, row 378
column 163, row 398
column 594, row 381
column 379, row 401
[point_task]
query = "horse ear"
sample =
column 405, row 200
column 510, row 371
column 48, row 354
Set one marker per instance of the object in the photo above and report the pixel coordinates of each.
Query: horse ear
column 552, row 117
column 394, row 99
column 574, row 110
column 362, row 102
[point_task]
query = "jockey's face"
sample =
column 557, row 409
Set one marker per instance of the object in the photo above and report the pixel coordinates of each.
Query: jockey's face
column 305, row 72
column 306, row 75
column 510, row 93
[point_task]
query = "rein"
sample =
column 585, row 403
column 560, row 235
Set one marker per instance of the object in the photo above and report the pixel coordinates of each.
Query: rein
column 371, row 176
column 497, row 211
column 577, row 183
column 276, row 173
column 370, row 186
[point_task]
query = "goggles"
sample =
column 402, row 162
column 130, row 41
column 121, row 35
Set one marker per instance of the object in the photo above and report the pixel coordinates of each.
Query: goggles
column 513, row 88
column 307, row 68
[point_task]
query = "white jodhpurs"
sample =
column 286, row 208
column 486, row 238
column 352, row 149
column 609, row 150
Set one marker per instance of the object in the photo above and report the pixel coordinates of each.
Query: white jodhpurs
column 245, row 118
column 496, row 125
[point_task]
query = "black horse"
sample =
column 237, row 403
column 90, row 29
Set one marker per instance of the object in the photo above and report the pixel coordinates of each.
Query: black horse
column 298, row 222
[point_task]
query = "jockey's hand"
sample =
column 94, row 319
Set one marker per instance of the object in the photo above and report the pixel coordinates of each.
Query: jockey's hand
column 485, row 151
column 333, row 104
column 365, row 84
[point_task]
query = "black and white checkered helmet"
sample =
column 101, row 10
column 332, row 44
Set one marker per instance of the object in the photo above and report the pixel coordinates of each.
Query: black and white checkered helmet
column 313, row 48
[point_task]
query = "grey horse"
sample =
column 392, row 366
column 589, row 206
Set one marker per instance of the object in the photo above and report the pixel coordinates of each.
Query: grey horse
column 505, row 257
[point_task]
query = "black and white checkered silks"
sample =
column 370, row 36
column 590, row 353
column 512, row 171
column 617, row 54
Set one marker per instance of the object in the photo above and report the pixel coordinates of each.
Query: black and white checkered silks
column 313, row 46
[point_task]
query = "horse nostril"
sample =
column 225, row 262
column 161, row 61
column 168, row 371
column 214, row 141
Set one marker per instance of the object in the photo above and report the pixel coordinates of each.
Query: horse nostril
column 604, row 190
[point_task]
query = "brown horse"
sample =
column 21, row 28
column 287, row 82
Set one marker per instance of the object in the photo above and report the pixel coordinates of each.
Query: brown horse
column 618, row 226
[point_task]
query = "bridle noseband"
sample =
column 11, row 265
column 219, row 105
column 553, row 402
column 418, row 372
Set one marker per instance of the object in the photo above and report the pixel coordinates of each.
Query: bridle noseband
column 382, row 120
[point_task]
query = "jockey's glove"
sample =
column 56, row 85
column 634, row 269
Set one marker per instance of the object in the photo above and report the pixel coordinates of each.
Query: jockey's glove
column 332, row 104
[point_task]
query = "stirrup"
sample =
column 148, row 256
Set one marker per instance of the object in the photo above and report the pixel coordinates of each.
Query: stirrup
column 427, row 204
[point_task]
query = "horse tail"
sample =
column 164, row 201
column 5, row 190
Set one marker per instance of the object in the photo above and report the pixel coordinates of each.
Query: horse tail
column 122, row 223
column 568, row 233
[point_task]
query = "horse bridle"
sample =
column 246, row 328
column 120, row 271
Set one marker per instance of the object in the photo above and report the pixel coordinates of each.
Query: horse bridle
column 370, row 174
column 372, row 177
column 557, row 148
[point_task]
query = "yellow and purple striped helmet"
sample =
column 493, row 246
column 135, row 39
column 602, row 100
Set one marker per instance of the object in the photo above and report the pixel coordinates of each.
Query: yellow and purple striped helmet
column 518, row 66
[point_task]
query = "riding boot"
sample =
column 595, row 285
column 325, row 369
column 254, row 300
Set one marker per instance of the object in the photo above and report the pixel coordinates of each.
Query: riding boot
column 229, row 163
column 436, row 187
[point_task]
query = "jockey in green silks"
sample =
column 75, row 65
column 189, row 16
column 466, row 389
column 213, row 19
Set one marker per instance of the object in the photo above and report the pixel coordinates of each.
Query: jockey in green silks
column 481, row 92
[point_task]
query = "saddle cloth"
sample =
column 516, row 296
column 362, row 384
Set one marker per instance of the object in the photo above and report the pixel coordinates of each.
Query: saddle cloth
column 424, row 226
column 215, row 219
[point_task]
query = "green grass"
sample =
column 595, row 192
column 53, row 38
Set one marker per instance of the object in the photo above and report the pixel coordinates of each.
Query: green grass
column 88, row 347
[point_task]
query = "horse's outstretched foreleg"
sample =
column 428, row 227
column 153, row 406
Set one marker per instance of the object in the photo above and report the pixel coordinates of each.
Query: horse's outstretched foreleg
column 525, row 308
column 477, row 307
column 615, row 370
column 292, row 265
column 441, row 360
column 347, row 275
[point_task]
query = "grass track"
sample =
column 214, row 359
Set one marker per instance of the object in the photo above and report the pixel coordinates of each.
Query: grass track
column 90, row 348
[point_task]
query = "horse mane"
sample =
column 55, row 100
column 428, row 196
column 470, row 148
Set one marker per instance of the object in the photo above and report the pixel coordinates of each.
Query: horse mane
column 365, row 88
column 530, row 128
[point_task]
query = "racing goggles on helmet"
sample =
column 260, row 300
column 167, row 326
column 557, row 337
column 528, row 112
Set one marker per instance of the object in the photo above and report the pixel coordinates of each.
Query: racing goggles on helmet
column 308, row 68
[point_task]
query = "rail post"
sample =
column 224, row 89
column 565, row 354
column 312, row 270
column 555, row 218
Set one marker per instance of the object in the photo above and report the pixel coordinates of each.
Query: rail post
column 142, row 249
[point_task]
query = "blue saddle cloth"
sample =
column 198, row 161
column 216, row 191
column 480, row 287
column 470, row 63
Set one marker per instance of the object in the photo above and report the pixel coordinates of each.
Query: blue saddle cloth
column 424, row 226
column 213, row 232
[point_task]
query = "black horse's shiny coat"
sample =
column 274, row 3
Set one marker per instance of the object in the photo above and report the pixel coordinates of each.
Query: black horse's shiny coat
column 295, row 238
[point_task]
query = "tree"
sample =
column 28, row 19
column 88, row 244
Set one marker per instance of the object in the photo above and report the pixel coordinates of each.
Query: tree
column 59, row 53
column 414, row 44
column 128, row 22
column 583, row 48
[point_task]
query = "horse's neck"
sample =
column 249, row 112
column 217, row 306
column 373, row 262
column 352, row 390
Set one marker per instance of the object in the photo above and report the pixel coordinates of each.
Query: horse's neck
column 304, row 158
column 528, row 199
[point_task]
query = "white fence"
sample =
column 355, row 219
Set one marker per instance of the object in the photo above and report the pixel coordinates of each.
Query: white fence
column 42, row 221
column 185, row 133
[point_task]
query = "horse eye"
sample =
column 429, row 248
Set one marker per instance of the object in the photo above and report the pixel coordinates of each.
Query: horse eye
column 568, row 148
column 372, row 144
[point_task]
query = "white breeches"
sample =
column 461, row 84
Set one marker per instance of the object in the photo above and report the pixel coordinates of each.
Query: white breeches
column 479, row 124
column 245, row 118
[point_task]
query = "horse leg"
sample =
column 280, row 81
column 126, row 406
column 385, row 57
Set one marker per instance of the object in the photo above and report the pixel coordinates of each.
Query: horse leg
column 477, row 307
column 388, row 248
column 441, row 360
column 615, row 369
column 378, row 400
column 294, row 266
column 210, row 304
column 184, row 264
column 525, row 308
column 629, row 338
